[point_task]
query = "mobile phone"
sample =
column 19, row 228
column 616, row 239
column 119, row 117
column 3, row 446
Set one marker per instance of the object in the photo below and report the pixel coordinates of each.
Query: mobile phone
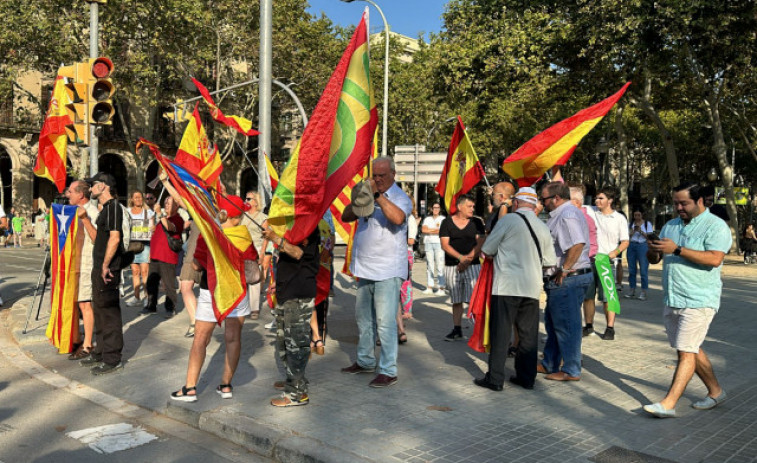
column 653, row 236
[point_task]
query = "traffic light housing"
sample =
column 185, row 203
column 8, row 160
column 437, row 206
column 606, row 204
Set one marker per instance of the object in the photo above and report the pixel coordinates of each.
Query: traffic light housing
column 101, row 91
column 76, row 89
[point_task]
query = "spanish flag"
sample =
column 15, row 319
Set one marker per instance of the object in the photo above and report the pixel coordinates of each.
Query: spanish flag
column 334, row 147
column 240, row 124
column 272, row 174
column 462, row 170
column 555, row 145
column 479, row 308
column 63, row 327
column 225, row 261
column 196, row 154
column 53, row 142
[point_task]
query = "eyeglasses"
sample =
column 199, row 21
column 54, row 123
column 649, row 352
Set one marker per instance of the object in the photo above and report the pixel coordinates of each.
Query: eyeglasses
column 149, row 198
column 544, row 199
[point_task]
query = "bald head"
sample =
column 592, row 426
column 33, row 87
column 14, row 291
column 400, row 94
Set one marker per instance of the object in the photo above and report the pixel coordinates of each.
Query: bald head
column 501, row 192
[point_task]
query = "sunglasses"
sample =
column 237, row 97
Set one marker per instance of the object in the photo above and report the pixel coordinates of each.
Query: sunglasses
column 546, row 198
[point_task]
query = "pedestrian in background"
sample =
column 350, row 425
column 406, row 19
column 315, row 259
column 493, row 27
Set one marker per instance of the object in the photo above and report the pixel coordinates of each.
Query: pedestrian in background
column 637, row 255
column 434, row 254
column 17, row 223
column 750, row 244
column 142, row 227
column 461, row 235
column 163, row 259
column 252, row 198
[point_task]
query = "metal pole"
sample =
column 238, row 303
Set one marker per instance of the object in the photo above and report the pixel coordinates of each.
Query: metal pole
column 93, row 33
column 415, row 174
column 384, row 151
column 265, row 75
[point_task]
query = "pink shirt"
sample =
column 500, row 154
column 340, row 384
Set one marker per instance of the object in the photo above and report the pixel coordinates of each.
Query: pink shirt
column 592, row 233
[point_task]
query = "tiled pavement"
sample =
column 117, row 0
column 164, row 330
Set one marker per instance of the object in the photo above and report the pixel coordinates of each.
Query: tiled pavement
column 435, row 413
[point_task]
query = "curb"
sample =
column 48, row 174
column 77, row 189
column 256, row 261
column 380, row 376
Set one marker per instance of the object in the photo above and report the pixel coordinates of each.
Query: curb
column 278, row 444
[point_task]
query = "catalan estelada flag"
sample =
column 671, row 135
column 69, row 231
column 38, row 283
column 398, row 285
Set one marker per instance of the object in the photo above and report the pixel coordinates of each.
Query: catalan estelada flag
column 272, row 174
column 554, row 146
column 240, row 124
column 225, row 262
column 196, row 154
column 462, row 170
column 334, row 147
column 63, row 327
column 53, row 142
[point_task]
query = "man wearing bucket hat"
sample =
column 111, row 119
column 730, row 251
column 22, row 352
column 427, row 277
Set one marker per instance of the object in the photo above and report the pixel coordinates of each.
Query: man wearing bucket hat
column 380, row 263
column 521, row 246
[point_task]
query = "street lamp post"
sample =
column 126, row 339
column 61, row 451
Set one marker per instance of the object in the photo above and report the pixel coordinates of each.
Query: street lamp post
column 386, row 74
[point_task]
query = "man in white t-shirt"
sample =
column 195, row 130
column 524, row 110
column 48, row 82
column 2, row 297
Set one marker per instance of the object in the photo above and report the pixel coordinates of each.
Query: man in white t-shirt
column 432, row 245
column 612, row 239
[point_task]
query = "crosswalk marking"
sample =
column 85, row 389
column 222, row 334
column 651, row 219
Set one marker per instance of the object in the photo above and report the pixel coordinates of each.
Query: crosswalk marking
column 112, row 438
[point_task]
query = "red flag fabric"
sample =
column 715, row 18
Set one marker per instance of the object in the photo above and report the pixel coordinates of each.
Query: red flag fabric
column 555, row 145
column 240, row 124
column 63, row 327
column 478, row 309
column 462, row 170
column 196, row 154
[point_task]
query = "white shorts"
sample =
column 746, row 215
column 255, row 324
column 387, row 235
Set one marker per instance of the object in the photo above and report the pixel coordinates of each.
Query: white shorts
column 687, row 328
column 461, row 285
column 205, row 312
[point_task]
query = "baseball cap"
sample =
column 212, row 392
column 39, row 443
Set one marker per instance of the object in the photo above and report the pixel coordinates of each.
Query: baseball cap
column 233, row 205
column 104, row 178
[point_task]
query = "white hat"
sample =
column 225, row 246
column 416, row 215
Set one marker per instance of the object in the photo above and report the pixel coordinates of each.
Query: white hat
column 527, row 195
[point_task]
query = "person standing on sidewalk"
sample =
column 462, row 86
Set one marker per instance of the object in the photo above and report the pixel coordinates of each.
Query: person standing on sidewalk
column 521, row 246
column 106, row 274
column 78, row 194
column 142, row 227
column 296, row 288
column 163, row 259
column 612, row 239
column 380, row 262
column 565, row 286
column 502, row 203
column 637, row 255
column 462, row 235
column 433, row 249
column 692, row 248
column 17, row 224
column 252, row 198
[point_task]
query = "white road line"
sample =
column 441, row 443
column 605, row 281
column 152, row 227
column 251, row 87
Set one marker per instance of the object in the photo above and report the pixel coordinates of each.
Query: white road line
column 112, row 438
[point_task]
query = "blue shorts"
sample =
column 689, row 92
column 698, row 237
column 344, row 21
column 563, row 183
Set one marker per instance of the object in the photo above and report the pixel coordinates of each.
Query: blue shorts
column 144, row 256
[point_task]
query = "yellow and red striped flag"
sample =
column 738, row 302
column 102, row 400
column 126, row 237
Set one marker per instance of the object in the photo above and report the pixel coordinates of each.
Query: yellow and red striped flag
column 462, row 170
column 240, row 124
column 63, row 327
column 555, row 145
column 334, row 148
column 196, row 154
column 272, row 174
column 53, row 142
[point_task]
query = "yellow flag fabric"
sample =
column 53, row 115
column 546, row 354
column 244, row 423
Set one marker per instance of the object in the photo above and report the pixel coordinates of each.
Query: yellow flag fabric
column 63, row 327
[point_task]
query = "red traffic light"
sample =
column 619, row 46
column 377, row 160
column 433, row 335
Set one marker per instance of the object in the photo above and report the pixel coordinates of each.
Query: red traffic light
column 102, row 67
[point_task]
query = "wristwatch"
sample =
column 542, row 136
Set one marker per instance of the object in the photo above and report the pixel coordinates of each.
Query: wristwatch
column 677, row 252
column 376, row 195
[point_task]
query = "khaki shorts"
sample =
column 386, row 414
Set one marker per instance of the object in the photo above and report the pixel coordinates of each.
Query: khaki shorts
column 687, row 328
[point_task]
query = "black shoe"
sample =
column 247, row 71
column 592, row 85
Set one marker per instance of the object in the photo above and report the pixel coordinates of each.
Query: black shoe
column 104, row 369
column 148, row 311
column 169, row 314
column 587, row 330
column 91, row 361
column 609, row 334
column 511, row 351
column 517, row 381
column 484, row 382
column 454, row 335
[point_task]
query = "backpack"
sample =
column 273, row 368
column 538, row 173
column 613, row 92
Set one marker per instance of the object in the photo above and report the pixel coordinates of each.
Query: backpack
column 127, row 257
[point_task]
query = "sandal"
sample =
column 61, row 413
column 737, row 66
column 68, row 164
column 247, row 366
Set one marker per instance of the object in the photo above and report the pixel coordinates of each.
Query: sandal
column 402, row 337
column 184, row 394
column 80, row 353
column 318, row 347
column 220, row 391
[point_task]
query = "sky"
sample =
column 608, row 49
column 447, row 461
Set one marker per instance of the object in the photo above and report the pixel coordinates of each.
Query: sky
column 407, row 17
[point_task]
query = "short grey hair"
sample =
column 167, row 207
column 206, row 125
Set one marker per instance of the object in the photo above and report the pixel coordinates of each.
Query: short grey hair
column 577, row 194
column 388, row 159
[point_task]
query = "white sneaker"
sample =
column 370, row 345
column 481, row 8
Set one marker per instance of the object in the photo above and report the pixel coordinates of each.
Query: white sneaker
column 439, row 292
column 643, row 296
column 270, row 326
column 134, row 302
column 428, row 291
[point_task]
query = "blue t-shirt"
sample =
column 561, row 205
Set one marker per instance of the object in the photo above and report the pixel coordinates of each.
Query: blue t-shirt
column 687, row 285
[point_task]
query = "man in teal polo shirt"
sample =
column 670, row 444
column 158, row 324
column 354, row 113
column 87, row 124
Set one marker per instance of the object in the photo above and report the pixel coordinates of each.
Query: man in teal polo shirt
column 694, row 246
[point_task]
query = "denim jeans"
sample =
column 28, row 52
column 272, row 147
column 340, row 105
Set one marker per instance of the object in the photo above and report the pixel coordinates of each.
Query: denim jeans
column 637, row 253
column 562, row 319
column 376, row 312
column 434, row 264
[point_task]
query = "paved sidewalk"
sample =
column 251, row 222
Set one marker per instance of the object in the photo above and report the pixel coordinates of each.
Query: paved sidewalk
column 434, row 412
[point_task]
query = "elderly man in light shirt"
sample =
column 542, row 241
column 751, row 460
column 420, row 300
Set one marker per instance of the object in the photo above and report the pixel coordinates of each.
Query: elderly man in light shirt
column 380, row 264
column 521, row 246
